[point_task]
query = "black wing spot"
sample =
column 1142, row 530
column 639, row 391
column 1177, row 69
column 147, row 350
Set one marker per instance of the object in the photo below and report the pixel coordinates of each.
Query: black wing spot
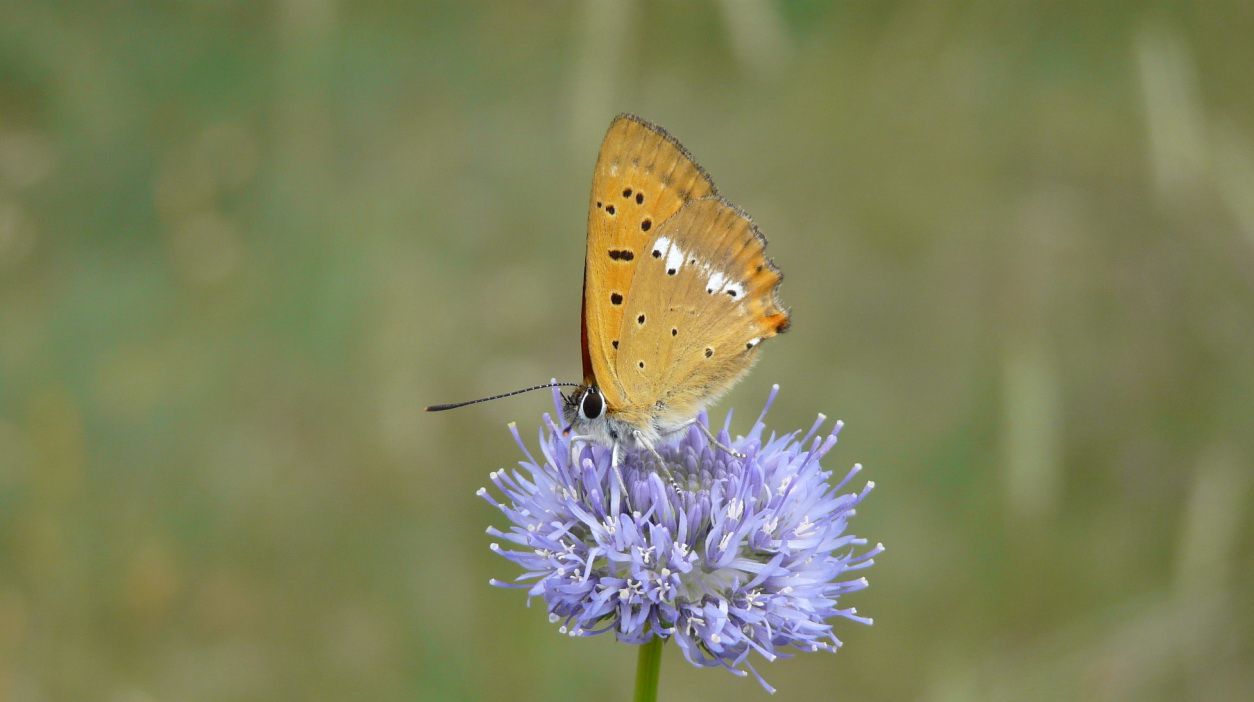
column 731, row 292
column 671, row 271
column 657, row 253
column 640, row 320
column 599, row 205
column 622, row 254
column 709, row 352
column 674, row 331
column 627, row 192
column 616, row 299
column 614, row 343
column 639, row 198
column 641, row 364
column 646, row 225
column 609, row 209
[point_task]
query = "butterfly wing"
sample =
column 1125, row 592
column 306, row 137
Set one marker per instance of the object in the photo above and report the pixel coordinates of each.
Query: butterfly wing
column 703, row 298
column 643, row 177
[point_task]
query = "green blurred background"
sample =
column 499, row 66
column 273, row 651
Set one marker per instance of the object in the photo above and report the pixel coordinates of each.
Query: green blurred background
column 242, row 244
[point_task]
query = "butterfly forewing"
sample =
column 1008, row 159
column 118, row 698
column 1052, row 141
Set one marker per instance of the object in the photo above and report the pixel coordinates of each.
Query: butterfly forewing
column 702, row 300
column 642, row 178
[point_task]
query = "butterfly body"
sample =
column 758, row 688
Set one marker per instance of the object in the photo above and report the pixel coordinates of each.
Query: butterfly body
column 678, row 292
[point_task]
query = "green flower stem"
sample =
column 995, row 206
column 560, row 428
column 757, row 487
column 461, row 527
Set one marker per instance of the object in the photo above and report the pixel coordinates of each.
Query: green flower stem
column 648, row 666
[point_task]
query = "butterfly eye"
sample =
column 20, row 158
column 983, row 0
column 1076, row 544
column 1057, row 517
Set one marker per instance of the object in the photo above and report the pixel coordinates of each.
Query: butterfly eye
column 592, row 405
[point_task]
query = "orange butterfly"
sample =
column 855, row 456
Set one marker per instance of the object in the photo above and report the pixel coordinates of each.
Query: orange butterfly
column 678, row 294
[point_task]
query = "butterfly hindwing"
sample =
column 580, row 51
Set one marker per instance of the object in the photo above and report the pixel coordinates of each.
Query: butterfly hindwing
column 702, row 300
column 643, row 177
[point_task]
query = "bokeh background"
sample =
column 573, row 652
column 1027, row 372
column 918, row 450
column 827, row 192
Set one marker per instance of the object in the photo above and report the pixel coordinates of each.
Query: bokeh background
column 243, row 244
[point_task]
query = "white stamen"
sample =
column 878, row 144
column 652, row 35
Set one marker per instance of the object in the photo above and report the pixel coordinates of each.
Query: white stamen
column 694, row 622
column 783, row 485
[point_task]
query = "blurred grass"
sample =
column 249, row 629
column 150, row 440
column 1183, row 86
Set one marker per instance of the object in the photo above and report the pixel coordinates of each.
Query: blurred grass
column 243, row 244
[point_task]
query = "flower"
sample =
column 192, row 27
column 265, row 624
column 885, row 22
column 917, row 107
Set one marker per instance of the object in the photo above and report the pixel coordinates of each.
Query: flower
column 725, row 555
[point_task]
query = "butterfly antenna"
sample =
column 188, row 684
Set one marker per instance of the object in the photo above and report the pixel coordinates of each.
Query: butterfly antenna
column 441, row 408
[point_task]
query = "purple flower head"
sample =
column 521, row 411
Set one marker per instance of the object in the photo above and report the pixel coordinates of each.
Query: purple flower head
column 725, row 555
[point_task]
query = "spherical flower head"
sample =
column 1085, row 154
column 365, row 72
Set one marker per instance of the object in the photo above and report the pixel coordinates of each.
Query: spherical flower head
column 723, row 554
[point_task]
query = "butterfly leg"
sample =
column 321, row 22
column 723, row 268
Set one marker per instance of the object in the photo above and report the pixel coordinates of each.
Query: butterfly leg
column 715, row 441
column 639, row 436
column 709, row 435
column 616, row 456
column 616, row 453
column 574, row 450
column 641, row 440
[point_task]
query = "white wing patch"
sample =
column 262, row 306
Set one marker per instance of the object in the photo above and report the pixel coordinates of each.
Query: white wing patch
column 674, row 254
column 716, row 281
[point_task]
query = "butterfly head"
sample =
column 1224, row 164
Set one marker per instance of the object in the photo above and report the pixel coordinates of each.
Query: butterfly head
column 589, row 415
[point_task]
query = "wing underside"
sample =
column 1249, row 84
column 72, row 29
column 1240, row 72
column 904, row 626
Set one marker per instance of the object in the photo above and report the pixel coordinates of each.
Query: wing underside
column 643, row 176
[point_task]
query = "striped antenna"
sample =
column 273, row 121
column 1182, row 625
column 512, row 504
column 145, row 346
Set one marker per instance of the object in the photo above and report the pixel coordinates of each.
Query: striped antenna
column 441, row 408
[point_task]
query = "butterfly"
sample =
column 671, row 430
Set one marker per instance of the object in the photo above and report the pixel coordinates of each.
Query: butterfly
column 678, row 294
